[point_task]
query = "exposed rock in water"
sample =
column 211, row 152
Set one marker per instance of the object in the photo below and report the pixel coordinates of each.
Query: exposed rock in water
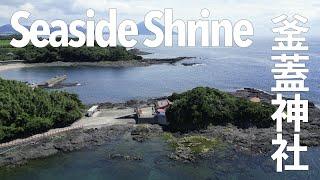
column 64, row 142
column 190, row 64
column 144, row 131
column 165, row 60
column 189, row 148
column 258, row 140
column 125, row 157
column 183, row 154
column 76, row 140
column 136, row 51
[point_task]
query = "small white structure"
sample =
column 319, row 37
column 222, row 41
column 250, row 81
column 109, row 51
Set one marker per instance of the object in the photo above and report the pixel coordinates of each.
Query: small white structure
column 92, row 110
column 255, row 99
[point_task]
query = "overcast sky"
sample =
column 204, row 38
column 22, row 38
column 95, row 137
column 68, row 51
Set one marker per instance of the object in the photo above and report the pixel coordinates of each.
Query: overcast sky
column 258, row 11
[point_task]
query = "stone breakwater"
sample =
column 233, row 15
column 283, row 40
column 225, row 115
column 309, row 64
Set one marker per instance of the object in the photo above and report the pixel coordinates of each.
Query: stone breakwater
column 36, row 137
column 71, row 141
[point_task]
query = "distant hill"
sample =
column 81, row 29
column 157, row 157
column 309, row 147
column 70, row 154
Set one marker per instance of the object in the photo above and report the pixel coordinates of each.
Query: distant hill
column 144, row 31
column 8, row 29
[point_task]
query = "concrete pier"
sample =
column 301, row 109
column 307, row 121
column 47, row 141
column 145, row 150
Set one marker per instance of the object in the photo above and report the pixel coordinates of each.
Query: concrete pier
column 53, row 81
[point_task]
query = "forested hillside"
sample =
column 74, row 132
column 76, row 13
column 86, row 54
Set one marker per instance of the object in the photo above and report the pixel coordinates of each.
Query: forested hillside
column 24, row 111
column 32, row 54
column 198, row 108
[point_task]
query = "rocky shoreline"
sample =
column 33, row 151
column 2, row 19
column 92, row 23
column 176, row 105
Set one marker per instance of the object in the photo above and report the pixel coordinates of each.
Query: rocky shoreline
column 71, row 141
column 114, row 64
column 251, row 140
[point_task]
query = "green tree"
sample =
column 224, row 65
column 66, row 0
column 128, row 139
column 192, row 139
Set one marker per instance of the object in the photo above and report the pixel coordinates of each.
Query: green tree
column 198, row 108
column 24, row 111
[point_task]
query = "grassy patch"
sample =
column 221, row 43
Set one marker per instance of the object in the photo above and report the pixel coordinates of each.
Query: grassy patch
column 5, row 43
column 171, row 140
column 197, row 144
column 168, row 136
column 7, row 52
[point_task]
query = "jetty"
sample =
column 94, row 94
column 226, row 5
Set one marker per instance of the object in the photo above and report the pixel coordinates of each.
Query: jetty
column 53, row 81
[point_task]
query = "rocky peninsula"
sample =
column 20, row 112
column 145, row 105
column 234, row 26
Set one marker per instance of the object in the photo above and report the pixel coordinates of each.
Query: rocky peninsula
column 113, row 64
column 187, row 147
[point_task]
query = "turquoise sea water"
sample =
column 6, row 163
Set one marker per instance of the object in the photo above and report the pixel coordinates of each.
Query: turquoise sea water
column 223, row 68
column 94, row 164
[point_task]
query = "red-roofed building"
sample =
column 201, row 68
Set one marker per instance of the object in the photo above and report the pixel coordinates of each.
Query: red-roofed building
column 163, row 104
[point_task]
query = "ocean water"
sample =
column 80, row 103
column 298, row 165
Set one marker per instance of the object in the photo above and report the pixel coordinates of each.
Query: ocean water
column 93, row 164
column 223, row 68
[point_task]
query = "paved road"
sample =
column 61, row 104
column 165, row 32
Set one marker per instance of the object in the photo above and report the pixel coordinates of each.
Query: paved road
column 106, row 117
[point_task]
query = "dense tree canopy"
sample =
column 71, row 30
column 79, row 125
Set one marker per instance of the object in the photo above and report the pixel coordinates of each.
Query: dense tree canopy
column 33, row 54
column 200, row 107
column 24, row 112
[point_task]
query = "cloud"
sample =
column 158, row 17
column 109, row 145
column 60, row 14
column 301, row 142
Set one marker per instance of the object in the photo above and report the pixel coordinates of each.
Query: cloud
column 259, row 12
column 4, row 12
column 27, row 7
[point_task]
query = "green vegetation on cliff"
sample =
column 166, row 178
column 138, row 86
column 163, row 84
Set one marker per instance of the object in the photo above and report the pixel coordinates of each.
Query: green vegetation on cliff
column 33, row 54
column 24, row 112
column 198, row 108
column 69, row 54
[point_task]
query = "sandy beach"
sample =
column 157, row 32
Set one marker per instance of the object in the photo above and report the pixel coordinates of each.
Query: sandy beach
column 129, row 63
column 12, row 66
column 5, row 67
